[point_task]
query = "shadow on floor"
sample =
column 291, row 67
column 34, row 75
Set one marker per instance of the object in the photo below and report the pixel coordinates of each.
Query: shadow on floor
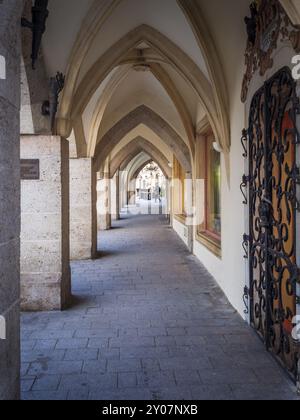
column 107, row 254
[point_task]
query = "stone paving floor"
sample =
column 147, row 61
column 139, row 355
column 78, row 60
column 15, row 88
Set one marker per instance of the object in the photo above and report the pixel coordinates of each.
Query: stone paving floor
column 147, row 322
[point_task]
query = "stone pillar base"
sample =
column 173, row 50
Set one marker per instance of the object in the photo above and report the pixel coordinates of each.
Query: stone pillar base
column 45, row 271
column 104, row 222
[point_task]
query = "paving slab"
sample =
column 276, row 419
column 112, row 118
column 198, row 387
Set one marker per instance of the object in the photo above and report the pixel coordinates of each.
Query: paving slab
column 147, row 322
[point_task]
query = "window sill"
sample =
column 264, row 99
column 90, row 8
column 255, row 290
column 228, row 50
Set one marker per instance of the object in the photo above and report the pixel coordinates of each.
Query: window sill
column 180, row 218
column 211, row 243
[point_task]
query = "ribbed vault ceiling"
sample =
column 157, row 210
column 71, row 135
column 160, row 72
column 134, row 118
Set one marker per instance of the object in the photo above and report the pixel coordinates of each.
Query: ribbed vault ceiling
column 202, row 31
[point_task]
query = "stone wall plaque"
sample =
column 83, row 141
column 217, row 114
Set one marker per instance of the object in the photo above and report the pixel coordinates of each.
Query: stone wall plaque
column 30, row 169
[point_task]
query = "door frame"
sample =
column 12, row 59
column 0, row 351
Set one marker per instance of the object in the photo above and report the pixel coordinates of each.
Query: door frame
column 245, row 188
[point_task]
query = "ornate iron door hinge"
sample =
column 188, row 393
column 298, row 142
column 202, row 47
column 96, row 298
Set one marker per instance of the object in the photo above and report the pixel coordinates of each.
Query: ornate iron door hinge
column 297, row 207
column 246, row 297
column 246, row 240
column 243, row 186
column 296, row 104
column 244, row 141
column 298, row 275
column 296, row 175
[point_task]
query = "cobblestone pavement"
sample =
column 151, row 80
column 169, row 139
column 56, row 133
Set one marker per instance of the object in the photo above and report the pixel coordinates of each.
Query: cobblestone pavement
column 147, row 322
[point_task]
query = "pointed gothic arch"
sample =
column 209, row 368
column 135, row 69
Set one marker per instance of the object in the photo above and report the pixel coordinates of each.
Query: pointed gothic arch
column 163, row 78
column 167, row 52
column 137, row 171
column 134, row 148
column 146, row 116
column 194, row 16
column 96, row 17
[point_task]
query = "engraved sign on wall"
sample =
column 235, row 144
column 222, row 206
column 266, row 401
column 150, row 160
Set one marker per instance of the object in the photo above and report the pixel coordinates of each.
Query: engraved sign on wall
column 30, row 169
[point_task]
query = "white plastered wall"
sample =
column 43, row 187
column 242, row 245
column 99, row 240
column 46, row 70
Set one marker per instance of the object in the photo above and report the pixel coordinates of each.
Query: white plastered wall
column 231, row 271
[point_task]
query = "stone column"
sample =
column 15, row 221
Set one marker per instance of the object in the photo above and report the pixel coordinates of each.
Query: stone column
column 115, row 197
column 118, row 196
column 82, row 202
column 45, row 272
column 132, row 192
column 169, row 200
column 189, row 209
column 103, row 203
column 10, row 11
column 123, row 190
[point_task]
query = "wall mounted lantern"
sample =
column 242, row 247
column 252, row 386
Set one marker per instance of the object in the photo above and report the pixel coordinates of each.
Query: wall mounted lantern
column 40, row 14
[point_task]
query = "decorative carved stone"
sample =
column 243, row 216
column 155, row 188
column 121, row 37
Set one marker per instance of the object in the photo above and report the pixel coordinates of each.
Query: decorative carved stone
column 273, row 26
column 295, row 40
